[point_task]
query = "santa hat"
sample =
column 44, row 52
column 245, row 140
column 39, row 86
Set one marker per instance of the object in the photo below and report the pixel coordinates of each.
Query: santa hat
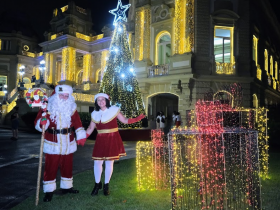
column 36, row 92
column 101, row 94
column 63, row 89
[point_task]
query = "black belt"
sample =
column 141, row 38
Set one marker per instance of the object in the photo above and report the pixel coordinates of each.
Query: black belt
column 61, row 131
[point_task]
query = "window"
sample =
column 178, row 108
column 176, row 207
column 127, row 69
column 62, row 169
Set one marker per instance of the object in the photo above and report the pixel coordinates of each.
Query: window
column 80, row 77
column 3, row 81
column 271, row 65
column 266, row 60
column 5, row 45
column 223, row 44
column 255, row 101
column 255, row 49
column 99, row 77
column 223, row 50
column 276, row 70
column 164, row 50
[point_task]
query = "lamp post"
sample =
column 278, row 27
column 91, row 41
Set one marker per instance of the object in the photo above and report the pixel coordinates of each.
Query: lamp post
column 42, row 68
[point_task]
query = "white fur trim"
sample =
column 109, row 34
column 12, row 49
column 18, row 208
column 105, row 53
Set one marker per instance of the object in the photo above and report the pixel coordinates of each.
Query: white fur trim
column 63, row 89
column 66, row 183
column 49, row 186
column 63, row 146
column 38, row 128
column 101, row 94
column 80, row 133
column 105, row 116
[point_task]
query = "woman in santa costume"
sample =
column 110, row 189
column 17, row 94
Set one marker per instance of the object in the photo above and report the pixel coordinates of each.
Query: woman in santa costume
column 62, row 124
column 108, row 145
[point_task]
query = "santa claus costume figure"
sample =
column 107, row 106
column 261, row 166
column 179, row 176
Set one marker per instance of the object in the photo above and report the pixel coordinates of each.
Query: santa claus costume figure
column 108, row 145
column 37, row 101
column 61, row 121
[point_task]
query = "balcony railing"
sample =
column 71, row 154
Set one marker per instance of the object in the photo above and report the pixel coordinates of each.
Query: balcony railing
column 84, row 97
column 86, row 87
column 158, row 70
column 225, row 68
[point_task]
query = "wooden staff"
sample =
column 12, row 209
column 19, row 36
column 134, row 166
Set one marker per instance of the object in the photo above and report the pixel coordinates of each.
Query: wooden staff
column 30, row 103
column 40, row 165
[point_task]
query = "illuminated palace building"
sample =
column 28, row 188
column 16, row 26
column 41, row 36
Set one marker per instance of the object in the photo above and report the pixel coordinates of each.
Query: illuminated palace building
column 183, row 50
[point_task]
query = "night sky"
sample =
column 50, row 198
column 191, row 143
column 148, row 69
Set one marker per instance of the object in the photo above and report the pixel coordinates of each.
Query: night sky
column 39, row 13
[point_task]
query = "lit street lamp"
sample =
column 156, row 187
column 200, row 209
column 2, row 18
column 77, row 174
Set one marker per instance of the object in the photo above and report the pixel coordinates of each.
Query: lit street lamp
column 42, row 68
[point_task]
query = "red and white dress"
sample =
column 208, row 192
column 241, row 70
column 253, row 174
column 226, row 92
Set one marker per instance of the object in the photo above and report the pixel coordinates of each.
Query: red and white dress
column 108, row 144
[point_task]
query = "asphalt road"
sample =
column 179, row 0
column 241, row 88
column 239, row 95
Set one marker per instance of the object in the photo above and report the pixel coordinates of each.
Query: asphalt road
column 19, row 165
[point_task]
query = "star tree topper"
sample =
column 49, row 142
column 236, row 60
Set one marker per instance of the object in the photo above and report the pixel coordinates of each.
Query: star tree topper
column 119, row 12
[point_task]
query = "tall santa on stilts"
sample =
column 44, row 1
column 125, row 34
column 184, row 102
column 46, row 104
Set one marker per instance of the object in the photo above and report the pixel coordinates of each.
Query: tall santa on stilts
column 62, row 124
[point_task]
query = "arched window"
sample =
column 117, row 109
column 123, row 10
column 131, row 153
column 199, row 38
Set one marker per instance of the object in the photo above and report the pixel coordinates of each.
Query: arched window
column 271, row 65
column 255, row 101
column 79, row 79
column 163, row 49
column 26, row 80
column 276, row 70
column 98, row 76
column 255, row 49
column 266, row 60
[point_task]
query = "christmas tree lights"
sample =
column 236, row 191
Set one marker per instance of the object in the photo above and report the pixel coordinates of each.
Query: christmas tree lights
column 119, row 80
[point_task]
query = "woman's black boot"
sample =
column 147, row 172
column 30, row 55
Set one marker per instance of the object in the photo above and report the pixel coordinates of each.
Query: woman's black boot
column 96, row 188
column 106, row 189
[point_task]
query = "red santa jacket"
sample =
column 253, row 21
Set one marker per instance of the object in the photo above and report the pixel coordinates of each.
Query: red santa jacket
column 61, row 143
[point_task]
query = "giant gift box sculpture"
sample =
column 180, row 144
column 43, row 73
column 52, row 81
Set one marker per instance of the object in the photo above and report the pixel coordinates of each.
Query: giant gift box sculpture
column 214, row 163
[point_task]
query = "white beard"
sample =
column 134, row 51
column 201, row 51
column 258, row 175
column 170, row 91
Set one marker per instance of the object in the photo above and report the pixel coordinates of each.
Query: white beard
column 61, row 110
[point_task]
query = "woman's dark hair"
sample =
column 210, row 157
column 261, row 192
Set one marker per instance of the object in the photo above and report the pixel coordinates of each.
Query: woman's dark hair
column 97, row 108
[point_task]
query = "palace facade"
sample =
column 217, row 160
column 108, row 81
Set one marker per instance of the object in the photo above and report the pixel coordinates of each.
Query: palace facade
column 183, row 50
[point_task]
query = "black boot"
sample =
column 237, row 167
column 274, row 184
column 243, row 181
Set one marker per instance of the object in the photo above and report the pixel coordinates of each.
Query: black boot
column 96, row 188
column 48, row 197
column 70, row 190
column 106, row 189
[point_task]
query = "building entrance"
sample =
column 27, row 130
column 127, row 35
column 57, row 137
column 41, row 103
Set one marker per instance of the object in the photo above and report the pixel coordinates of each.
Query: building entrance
column 165, row 102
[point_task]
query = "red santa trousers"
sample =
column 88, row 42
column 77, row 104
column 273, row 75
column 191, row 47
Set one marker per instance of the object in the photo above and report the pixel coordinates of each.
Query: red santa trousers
column 52, row 162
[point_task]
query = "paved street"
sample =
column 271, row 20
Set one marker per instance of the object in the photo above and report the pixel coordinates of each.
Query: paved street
column 19, row 165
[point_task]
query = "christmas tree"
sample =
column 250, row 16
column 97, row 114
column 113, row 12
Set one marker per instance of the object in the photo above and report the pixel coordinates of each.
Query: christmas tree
column 119, row 80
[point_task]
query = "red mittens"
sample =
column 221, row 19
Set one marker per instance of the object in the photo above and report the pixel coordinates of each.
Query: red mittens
column 136, row 119
column 82, row 141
